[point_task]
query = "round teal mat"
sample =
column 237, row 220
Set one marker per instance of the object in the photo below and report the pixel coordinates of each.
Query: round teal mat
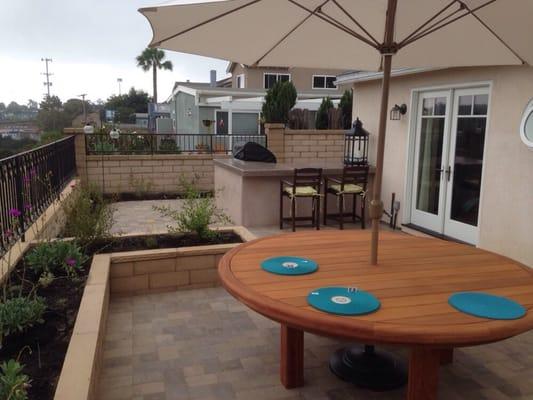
column 486, row 305
column 343, row 301
column 289, row 265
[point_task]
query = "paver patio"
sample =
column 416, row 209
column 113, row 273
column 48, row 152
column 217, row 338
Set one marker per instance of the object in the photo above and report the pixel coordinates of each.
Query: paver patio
column 203, row 344
column 140, row 217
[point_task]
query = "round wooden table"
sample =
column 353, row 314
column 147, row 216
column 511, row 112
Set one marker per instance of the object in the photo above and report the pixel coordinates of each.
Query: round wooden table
column 413, row 281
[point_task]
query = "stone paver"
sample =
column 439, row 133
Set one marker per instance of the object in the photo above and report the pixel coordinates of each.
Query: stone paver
column 140, row 217
column 203, row 344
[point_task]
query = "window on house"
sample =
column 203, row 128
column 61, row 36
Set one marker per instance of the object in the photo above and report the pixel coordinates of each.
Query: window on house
column 271, row 79
column 324, row 82
column 240, row 81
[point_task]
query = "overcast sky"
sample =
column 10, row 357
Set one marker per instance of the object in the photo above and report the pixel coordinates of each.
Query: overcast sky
column 91, row 42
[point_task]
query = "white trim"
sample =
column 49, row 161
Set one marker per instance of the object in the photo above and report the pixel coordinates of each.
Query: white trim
column 277, row 76
column 528, row 112
column 356, row 77
column 325, row 82
column 411, row 144
column 243, row 79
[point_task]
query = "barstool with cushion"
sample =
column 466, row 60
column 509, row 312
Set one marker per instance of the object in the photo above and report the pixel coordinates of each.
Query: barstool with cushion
column 306, row 183
column 353, row 183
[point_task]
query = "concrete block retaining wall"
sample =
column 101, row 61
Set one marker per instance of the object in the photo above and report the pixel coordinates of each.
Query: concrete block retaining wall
column 157, row 173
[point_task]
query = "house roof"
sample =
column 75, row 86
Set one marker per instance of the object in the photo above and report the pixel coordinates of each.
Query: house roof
column 364, row 76
column 205, row 89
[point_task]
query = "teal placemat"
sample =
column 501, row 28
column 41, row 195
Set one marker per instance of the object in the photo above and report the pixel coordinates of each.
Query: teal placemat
column 343, row 301
column 486, row 305
column 289, row 265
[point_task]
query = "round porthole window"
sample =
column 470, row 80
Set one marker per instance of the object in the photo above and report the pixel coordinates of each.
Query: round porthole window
column 526, row 127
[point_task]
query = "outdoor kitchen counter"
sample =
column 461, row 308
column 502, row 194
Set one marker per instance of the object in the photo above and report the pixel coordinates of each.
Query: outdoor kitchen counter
column 248, row 191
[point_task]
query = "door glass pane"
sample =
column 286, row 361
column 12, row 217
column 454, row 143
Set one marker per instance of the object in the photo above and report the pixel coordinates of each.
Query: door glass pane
column 427, row 106
column 465, row 105
column 440, row 106
column 429, row 165
column 222, row 123
column 481, row 102
column 467, row 169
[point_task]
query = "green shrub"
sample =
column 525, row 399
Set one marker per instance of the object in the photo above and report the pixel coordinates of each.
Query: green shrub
column 322, row 113
column 196, row 214
column 345, row 105
column 56, row 257
column 279, row 100
column 14, row 383
column 169, row 146
column 89, row 217
column 20, row 313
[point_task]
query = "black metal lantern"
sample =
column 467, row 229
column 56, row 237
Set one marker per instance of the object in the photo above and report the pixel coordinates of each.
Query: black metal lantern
column 356, row 145
column 397, row 111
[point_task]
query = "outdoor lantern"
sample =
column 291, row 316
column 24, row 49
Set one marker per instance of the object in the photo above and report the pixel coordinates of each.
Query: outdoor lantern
column 114, row 133
column 88, row 129
column 356, row 145
column 397, row 111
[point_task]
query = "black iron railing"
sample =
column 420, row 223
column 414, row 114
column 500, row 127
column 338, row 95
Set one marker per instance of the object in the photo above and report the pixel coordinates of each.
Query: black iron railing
column 29, row 183
column 153, row 143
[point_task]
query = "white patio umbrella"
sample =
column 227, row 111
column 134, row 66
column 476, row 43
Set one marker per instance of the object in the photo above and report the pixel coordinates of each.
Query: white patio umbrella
column 350, row 34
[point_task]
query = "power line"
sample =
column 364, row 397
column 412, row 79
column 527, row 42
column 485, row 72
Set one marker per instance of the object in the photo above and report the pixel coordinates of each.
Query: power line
column 47, row 74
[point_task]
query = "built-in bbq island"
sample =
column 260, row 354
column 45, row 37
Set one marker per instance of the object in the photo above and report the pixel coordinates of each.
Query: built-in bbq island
column 248, row 191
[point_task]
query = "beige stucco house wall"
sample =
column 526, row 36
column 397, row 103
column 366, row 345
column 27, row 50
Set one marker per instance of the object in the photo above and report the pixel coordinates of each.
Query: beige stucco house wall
column 302, row 78
column 506, row 204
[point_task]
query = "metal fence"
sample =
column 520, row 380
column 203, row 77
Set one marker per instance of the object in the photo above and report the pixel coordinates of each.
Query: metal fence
column 153, row 143
column 29, row 183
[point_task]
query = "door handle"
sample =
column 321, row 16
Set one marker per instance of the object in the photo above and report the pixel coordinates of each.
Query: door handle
column 448, row 173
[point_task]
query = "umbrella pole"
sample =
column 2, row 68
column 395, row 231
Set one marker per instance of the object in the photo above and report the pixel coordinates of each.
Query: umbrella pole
column 376, row 205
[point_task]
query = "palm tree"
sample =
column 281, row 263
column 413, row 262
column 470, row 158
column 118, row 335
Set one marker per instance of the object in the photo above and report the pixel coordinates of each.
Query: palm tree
column 153, row 58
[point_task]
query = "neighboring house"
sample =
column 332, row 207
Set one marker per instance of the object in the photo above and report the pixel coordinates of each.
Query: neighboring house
column 456, row 160
column 141, row 120
column 233, row 105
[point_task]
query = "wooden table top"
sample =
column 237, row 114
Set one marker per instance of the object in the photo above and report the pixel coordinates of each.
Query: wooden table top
column 413, row 281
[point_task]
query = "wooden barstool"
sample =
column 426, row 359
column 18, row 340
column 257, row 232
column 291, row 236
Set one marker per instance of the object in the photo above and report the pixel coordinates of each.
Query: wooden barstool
column 306, row 183
column 354, row 183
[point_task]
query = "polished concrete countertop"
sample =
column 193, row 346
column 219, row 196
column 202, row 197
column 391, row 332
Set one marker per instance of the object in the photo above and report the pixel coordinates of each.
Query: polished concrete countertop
column 253, row 168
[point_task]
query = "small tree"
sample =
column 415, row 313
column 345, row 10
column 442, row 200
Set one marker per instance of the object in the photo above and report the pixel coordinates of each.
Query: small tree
column 279, row 100
column 322, row 113
column 345, row 105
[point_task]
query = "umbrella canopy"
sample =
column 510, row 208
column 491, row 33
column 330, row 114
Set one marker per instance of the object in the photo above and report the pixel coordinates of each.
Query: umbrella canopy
column 350, row 34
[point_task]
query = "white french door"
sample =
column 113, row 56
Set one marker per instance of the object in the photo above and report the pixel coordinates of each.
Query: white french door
column 448, row 161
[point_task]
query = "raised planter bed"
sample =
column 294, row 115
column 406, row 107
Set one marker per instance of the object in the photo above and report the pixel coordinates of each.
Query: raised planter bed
column 117, row 272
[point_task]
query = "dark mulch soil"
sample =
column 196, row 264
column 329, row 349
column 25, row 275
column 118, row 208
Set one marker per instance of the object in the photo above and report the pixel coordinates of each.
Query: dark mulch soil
column 146, row 196
column 42, row 348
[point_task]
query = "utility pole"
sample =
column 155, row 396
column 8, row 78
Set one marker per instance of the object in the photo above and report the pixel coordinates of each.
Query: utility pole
column 84, row 109
column 119, row 80
column 47, row 75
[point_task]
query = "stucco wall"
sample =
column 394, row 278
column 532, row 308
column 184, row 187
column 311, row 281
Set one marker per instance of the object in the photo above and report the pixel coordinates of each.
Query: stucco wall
column 301, row 77
column 507, row 188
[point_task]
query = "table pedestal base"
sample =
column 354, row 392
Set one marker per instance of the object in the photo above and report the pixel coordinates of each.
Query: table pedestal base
column 368, row 369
